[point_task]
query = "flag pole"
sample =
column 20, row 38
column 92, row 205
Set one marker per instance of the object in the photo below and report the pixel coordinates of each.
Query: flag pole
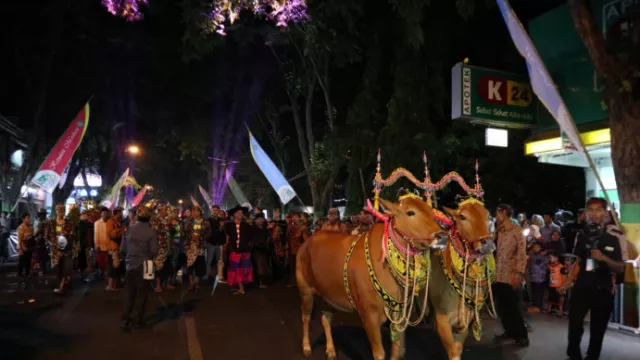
column 572, row 123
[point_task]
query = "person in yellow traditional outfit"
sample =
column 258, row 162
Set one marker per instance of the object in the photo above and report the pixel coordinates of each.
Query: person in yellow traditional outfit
column 164, row 268
column 61, row 236
column 197, row 230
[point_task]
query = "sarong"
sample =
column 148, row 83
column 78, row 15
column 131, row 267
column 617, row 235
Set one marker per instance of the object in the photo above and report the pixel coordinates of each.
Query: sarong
column 240, row 268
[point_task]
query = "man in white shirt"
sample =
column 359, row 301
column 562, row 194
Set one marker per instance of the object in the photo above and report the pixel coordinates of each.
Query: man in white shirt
column 101, row 241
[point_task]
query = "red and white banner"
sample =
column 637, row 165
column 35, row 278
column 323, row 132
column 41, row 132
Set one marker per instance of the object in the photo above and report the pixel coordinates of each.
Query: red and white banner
column 51, row 170
column 139, row 196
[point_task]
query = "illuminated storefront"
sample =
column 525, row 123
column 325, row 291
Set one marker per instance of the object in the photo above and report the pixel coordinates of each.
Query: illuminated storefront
column 598, row 143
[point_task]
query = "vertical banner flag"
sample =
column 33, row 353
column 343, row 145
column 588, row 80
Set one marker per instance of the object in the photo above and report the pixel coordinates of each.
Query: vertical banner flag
column 112, row 198
column 51, row 170
column 194, row 202
column 541, row 81
column 271, row 172
column 205, row 196
column 237, row 191
column 139, row 196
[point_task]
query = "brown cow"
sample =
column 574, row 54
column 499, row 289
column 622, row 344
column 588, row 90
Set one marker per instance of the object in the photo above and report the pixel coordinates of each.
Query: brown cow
column 337, row 267
column 450, row 277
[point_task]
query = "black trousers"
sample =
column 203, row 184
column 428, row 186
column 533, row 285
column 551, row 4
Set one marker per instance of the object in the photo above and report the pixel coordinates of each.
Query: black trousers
column 585, row 298
column 137, row 290
column 537, row 294
column 24, row 264
column 508, row 308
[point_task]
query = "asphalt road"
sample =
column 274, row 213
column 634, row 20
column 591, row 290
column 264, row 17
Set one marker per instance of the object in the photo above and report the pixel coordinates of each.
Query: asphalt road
column 263, row 324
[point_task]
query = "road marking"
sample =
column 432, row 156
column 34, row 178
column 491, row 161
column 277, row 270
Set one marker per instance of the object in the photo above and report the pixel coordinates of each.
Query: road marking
column 195, row 352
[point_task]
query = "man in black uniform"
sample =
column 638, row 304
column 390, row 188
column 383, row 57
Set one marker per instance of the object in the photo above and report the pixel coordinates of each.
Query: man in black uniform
column 593, row 278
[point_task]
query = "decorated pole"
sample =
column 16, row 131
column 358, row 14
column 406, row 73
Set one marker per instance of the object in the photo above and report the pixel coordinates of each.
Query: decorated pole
column 376, row 184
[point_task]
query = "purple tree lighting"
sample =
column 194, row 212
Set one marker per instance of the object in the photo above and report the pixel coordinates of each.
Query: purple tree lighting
column 128, row 9
column 282, row 12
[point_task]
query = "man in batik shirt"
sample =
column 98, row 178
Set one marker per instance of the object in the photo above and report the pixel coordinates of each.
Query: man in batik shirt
column 115, row 233
column 160, row 224
column 61, row 236
column 296, row 230
column 178, row 256
column 197, row 230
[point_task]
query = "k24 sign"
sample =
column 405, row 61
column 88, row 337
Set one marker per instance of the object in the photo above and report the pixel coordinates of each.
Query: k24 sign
column 492, row 97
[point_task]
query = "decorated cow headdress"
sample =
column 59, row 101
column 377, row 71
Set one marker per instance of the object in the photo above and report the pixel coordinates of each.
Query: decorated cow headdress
column 474, row 193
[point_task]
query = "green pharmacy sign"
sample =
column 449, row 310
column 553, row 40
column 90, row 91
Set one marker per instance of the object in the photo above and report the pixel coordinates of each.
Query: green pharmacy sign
column 491, row 97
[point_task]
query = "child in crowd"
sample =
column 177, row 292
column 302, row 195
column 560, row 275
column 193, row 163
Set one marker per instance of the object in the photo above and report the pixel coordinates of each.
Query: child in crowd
column 556, row 279
column 538, row 272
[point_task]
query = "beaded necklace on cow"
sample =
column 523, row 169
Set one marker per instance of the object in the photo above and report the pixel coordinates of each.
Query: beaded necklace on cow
column 402, row 320
column 473, row 256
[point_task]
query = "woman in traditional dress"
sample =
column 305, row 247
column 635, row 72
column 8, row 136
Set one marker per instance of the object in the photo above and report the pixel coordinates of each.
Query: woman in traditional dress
column 196, row 230
column 61, row 235
column 160, row 224
column 239, row 241
column 26, row 244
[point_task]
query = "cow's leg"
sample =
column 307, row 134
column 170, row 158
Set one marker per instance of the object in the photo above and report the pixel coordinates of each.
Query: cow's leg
column 397, row 344
column 443, row 325
column 372, row 324
column 326, row 324
column 306, row 295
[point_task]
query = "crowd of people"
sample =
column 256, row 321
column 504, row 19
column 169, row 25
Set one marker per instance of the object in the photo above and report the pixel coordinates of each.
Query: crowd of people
column 238, row 247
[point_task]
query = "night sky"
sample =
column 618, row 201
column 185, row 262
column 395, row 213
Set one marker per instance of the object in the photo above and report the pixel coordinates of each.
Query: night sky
column 184, row 99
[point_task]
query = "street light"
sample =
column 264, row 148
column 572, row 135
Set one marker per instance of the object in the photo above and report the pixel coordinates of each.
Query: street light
column 180, row 201
column 133, row 150
column 149, row 187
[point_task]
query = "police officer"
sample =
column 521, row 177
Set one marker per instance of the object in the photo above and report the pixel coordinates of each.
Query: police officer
column 593, row 277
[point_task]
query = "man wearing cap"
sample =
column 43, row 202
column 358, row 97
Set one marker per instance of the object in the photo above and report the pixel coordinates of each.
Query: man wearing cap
column 139, row 246
column 334, row 223
column 599, row 266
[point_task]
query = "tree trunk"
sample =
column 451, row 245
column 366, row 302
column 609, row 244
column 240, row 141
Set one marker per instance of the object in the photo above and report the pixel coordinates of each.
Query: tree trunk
column 624, row 122
column 624, row 116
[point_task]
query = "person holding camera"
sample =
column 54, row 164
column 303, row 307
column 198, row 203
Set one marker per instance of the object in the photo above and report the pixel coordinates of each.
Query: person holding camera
column 600, row 263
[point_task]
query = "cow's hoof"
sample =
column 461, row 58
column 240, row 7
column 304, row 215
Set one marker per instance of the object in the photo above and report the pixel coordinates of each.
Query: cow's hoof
column 331, row 354
column 306, row 352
